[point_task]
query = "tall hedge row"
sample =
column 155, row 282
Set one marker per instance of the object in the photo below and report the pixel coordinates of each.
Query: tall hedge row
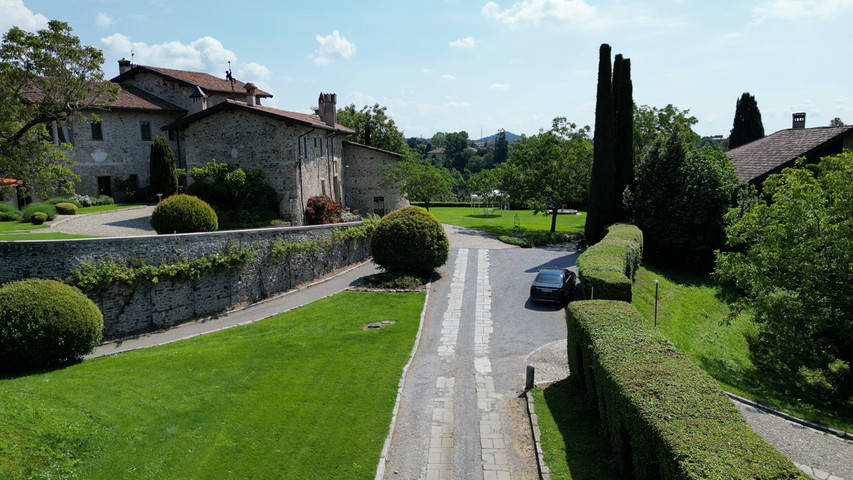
column 607, row 268
column 665, row 417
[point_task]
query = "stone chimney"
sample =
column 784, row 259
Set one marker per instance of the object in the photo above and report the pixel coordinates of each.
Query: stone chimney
column 251, row 90
column 328, row 108
column 198, row 101
column 124, row 65
column 799, row 120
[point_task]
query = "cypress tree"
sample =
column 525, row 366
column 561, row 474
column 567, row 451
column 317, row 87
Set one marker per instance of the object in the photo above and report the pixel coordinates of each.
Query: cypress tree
column 623, row 101
column 601, row 211
column 747, row 124
column 161, row 168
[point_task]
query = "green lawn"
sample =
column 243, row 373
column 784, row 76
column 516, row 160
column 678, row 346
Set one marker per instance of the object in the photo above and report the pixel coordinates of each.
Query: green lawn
column 502, row 223
column 693, row 314
column 11, row 231
column 306, row 394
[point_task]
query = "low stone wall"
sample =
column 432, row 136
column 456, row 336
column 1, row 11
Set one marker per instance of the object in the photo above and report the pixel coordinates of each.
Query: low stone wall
column 145, row 306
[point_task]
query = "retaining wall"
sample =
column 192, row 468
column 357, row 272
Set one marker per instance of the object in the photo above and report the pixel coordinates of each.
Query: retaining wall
column 144, row 306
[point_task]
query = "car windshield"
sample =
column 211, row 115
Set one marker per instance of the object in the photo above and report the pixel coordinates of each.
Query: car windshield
column 549, row 276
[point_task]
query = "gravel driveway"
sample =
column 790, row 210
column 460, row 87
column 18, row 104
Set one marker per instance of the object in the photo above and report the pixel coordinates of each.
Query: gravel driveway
column 128, row 222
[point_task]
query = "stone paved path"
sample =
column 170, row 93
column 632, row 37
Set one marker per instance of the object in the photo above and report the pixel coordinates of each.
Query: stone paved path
column 126, row 222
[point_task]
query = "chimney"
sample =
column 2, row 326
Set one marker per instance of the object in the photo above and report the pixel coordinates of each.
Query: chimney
column 328, row 108
column 250, row 94
column 799, row 120
column 199, row 101
column 124, row 66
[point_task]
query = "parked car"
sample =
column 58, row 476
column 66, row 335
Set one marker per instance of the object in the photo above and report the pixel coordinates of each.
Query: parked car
column 553, row 284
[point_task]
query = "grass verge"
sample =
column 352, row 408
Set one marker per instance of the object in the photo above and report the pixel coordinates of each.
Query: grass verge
column 694, row 315
column 536, row 229
column 573, row 438
column 305, row 394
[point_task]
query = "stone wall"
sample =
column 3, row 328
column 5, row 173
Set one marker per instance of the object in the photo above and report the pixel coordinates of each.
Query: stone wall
column 363, row 177
column 145, row 306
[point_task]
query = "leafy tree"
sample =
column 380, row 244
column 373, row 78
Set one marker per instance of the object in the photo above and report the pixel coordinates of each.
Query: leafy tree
column 456, row 150
column 679, row 199
column 228, row 182
column 45, row 77
column 792, row 256
column 419, row 180
column 652, row 124
column 485, row 182
column 836, row 122
column 501, row 148
column 161, row 167
column 602, row 191
column 437, row 140
column 747, row 124
column 373, row 127
column 550, row 170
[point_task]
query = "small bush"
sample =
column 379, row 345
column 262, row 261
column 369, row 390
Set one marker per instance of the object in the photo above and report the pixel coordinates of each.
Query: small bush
column 87, row 201
column 55, row 200
column 9, row 213
column 45, row 322
column 608, row 267
column 38, row 218
column 410, row 240
column 63, row 208
column 46, row 208
column 322, row 210
column 183, row 214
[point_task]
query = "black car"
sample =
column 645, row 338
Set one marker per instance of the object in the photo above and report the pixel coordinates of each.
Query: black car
column 553, row 285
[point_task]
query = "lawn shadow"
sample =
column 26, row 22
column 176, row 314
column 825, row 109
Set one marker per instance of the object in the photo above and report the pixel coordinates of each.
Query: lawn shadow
column 587, row 452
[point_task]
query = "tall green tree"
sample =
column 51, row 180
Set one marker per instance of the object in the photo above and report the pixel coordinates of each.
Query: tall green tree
column 418, row 180
column 623, row 104
column 373, row 127
column 551, row 170
column 652, row 124
column 46, row 77
column 836, row 122
column 791, row 253
column 601, row 210
column 456, row 150
column 161, row 168
column 501, row 148
column 747, row 124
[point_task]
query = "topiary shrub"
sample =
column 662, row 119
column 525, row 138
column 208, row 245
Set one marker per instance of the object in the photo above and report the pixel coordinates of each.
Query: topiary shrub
column 64, row 208
column 410, row 240
column 9, row 213
column 322, row 210
column 37, row 218
column 55, row 200
column 183, row 214
column 46, row 208
column 45, row 322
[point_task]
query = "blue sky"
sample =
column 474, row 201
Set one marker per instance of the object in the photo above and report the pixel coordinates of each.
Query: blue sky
column 451, row 65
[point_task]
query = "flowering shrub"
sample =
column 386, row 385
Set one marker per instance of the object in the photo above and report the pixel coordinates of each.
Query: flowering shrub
column 322, row 210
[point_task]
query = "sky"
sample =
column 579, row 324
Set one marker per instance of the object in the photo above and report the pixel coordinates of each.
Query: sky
column 485, row 65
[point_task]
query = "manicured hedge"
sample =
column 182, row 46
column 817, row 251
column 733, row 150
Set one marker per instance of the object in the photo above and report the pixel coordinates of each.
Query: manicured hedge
column 410, row 240
column 665, row 417
column 607, row 268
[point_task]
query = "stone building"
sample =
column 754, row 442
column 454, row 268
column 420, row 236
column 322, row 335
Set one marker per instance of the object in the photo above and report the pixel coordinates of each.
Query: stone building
column 205, row 118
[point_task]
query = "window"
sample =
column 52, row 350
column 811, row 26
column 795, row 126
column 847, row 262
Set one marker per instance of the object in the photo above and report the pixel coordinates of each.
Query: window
column 146, row 131
column 62, row 133
column 97, row 133
column 379, row 206
column 105, row 186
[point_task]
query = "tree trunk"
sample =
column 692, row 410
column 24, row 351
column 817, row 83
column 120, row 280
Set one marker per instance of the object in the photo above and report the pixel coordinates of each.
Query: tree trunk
column 554, row 212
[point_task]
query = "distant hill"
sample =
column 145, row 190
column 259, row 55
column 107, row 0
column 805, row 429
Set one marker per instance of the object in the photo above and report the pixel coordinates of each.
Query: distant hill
column 510, row 137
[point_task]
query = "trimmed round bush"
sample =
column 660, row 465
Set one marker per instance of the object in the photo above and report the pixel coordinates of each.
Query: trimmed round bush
column 410, row 240
column 65, row 208
column 46, row 208
column 322, row 210
column 184, row 214
column 45, row 322
column 37, row 218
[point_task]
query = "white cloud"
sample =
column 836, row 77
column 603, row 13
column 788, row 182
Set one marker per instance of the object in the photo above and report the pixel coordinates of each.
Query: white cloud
column 254, row 72
column 499, row 86
column 799, row 10
column 426, row 70
column 15, row 14
column 206, row 54
column 332, row 47
column 467, row 42
column 448, row 76
column 103, row 20
column 533, row 12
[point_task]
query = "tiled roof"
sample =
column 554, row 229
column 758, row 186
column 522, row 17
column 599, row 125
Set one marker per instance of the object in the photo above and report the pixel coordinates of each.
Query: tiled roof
column 361, row 145
column 773, row 152
column 132, row 98
column 289, row 118
column 207, row 82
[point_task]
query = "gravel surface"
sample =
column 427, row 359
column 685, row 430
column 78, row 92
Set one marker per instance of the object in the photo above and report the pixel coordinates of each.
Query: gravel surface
column 127, row 222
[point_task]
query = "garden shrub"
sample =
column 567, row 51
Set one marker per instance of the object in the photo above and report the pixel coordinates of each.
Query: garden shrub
column 664, row 416
column 55, row 200
column 46, row 208
column 9, row 213
column 38, row 218
column 409, row 240
column 608, row 267
column 64, row 208
column 183, row 214
column 45, row 322
column 87, row 201
column 322, row 210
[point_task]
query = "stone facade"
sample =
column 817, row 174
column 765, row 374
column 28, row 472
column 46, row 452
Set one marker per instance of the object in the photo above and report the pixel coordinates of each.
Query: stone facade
column 129, row 309
column 363, row 176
